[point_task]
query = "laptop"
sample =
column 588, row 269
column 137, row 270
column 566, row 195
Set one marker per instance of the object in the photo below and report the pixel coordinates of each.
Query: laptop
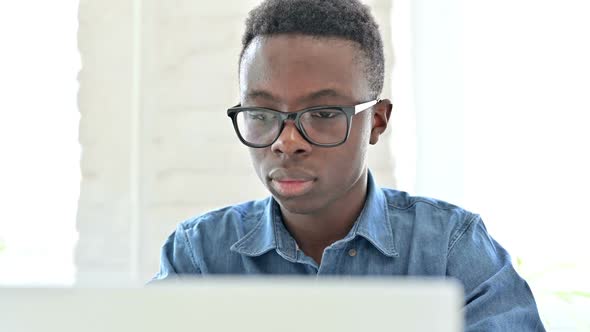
column 240, row 304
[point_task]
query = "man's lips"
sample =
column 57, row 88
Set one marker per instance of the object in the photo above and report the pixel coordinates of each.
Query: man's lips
column 291, row 187
column 291, row 183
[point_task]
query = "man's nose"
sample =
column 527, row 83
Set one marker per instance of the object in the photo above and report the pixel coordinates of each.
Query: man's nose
column 291, row 142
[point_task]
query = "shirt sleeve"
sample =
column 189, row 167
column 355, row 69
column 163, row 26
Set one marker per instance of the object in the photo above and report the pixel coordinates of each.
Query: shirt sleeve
column 176, row 257
column 496, row 297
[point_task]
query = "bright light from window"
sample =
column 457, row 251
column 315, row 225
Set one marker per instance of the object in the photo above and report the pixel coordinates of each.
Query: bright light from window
column 527, row 82
column 527, row 79
column 39, row 167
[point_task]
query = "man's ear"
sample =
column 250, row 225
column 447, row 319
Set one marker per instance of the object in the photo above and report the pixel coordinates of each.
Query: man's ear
column 381, row 114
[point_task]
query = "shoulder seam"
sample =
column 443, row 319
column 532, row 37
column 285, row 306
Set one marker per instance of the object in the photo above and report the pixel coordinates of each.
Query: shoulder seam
column 461, row 232
column 191, row 250
column 214, row 214
column 418, row 200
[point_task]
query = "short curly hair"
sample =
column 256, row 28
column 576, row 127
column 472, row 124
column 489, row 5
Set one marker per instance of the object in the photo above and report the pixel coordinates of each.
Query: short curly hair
column 346, row 19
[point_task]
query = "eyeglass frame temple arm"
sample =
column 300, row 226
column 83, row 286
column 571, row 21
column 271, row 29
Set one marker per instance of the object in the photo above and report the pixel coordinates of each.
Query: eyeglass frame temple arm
column 361, row 107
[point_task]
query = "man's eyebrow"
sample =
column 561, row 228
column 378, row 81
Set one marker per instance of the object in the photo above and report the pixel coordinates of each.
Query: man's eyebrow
column 261, row 94
column 322, row 94
column 310, row 98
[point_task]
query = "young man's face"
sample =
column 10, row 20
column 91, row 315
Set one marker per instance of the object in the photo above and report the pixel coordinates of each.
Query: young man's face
column 292, row 72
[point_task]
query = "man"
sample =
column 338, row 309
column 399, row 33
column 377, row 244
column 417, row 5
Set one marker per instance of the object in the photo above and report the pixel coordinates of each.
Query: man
column 311, row 73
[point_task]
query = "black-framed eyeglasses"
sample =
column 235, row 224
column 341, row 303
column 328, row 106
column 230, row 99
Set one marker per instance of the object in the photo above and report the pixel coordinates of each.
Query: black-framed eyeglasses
column 325, row 126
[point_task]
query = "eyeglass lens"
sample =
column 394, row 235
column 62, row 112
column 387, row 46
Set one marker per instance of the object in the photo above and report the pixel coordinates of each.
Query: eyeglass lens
column 323, row 126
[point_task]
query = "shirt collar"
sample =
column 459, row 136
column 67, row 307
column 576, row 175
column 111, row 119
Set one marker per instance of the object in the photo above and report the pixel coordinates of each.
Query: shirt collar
column 261, row 238
column 374, row 223
column 270, row 233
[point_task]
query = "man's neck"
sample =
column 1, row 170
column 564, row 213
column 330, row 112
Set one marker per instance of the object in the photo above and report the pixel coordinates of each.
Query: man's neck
column 315, row 232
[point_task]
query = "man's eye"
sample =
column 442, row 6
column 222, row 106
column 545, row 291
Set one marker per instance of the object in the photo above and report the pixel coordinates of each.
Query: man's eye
column 259, row 116
column 326, row 114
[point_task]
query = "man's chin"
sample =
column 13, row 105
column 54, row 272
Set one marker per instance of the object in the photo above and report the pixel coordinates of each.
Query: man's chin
column 297, row 205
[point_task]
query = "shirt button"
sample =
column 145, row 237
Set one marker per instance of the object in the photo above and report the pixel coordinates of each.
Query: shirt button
column 352, row 253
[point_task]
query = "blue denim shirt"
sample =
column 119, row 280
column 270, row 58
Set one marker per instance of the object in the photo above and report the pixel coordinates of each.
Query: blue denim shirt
column 395, row 235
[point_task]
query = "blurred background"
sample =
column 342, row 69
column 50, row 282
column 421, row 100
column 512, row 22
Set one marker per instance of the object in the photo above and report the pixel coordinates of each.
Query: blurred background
column 113, row 130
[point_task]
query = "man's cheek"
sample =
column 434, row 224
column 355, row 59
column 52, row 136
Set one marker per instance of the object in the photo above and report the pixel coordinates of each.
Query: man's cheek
column 257, row 162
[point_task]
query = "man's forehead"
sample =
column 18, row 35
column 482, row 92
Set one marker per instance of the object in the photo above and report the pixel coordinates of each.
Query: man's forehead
column 304, row 98
column 304, row 45
column 311, row 68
